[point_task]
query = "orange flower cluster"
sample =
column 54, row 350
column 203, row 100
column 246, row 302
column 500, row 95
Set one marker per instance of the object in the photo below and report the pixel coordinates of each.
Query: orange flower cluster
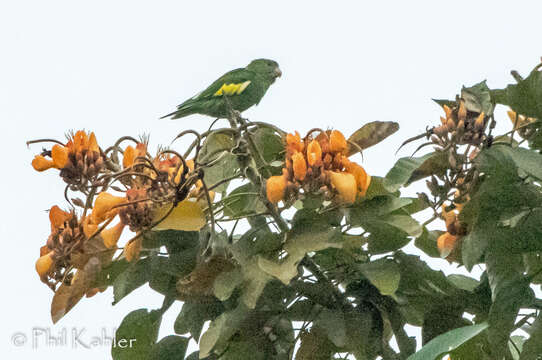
column 321, row 165
column 67, row 237
column 449, row 242
column 78, row 161
column 156, row 188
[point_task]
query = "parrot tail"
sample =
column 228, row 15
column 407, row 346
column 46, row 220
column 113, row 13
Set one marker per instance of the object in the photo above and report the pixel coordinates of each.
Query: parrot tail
column 182, row 111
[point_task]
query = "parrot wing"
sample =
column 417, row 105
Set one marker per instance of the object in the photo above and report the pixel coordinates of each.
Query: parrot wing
column 232, row 83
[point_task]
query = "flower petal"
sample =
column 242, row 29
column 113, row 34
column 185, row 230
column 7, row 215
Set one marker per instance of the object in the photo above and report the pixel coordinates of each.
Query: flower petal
column 186, row 216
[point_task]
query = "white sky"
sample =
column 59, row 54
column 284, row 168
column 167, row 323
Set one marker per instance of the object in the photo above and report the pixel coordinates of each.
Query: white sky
column 115, row 66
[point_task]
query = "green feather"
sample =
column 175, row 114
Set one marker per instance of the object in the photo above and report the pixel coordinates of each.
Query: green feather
column 243, row 88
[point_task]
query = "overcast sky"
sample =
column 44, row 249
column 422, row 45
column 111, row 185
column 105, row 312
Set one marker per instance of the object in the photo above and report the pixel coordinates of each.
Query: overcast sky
column 114, row 67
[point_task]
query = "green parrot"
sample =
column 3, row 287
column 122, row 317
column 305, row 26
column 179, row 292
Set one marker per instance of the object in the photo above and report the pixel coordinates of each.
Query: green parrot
column 243, row 88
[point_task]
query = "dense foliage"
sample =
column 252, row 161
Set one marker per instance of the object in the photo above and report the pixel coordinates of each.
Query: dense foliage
column 292, row 250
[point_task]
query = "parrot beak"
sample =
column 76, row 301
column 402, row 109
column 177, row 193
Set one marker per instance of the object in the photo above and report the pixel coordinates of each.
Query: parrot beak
column 277, row 72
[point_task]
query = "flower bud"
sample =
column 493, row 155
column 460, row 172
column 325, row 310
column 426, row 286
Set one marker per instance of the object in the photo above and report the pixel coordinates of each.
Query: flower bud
column 337, row 142
column 446, row 243
column 462, row 112
column 448, row 111
column 441, row 130
column 93, row 144
column 80, row 141
column 345, row 184
column 294, row 142
column 450, row 125
column 44, row 264
column 314, row 153
column 40, row 163
column 299, row 166
column 129, row 157
column 479, row 123
column 275, row 188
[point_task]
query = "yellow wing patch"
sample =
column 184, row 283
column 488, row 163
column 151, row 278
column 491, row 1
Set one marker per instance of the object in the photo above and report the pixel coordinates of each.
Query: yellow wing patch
column 232, row 89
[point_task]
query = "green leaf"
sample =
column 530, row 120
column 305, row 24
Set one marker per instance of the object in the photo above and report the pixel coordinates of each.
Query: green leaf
column 447, row 342
column 442, row 102
column 478, row 98
column 183, row 249
column 509, row 289
column 419, row 280
column 384, row 237
column 136, row 335
column 171, row 347
column 221, row 330
column 241, row 350
column 244, row 200
column 390, row 232
column 110, row 273
column 217, row 149
column 333, row 324
column 136, row 275
column 532, row 348
column 297, row 246
column 437, row 165
column 370, row 134
column 193, row 356
column 463, row 282
column 402, row 171
column 524, row 97
column 382, row 273
column 377, row 188
column 315, row 345
column 427, row 242
column 226, row 282
column 505, row 160
column 194, row 314
column 375, row 207
column 269, row 143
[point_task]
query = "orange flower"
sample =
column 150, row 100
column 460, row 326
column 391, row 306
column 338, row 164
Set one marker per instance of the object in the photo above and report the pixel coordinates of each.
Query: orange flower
column 314, row 153
column 112, row 235
column 59, row 154
column 104, row 205
column 128, row 157
column 80, row 141
column 363, row 180
column 446, row 243
column 44, row 264
column 58, row 217
column 131, row 153
column 345, row 184
column 337, row 142
column 276, row 188
column 299, row 166
column 92, row 143
column 40, row 163
column 89, row 227
column 294, row 142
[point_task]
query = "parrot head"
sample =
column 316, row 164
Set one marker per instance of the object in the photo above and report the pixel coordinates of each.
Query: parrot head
column 269, row 69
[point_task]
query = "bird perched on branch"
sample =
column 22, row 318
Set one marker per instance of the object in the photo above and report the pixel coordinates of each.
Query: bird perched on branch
column 236, row 90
